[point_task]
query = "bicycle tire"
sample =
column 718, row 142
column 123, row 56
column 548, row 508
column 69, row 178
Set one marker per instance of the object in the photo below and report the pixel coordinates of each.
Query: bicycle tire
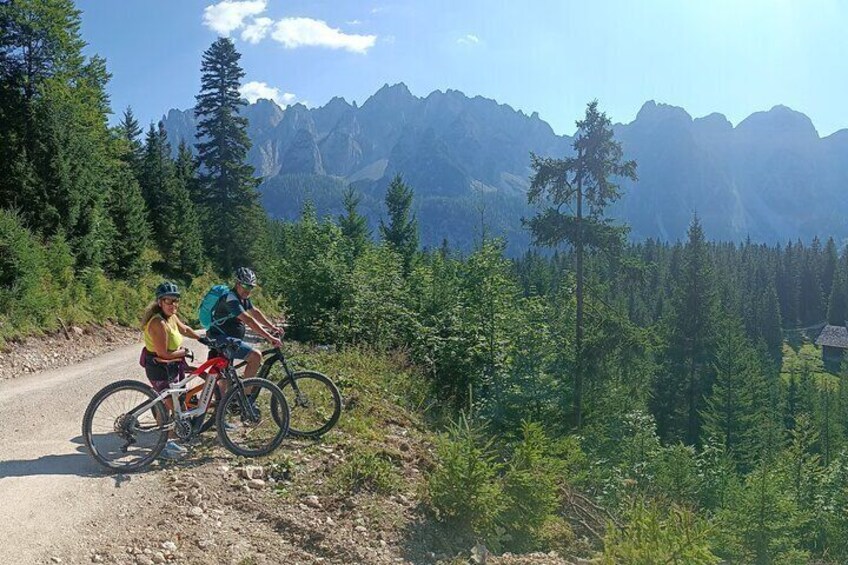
column 304, row 417
column 277, row 405
column 160, row 415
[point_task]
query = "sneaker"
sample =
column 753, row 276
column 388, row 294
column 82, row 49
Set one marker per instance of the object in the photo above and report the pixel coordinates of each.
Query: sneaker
column 229, row 427
column 173, row 451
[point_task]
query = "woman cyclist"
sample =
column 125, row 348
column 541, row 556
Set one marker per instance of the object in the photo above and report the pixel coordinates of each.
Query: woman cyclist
column 163, row 338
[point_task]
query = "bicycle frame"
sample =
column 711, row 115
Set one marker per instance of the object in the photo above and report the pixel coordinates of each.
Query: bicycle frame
column 269, row 356
column 211, row 371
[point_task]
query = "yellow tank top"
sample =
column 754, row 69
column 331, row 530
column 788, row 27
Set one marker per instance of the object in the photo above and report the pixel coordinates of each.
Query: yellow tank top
column 172, row 333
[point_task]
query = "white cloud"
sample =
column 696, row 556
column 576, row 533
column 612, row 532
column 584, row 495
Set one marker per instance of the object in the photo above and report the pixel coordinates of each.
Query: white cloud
column 257, row 30
column 255, row 90
column 469, row 39
column 354, row 22
column 229, row 15
column 302, row 32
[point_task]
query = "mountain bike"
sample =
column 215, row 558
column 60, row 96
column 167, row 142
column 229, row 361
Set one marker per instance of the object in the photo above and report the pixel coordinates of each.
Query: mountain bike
column 313, row 398
column 127, row 423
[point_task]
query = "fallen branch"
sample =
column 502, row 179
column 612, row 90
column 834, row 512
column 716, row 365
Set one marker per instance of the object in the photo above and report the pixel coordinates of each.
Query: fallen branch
column 64, row 328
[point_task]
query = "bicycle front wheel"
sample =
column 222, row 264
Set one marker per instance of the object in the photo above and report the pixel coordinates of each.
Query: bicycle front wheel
column 118, row 439
column 315, row 403
column 252, row 419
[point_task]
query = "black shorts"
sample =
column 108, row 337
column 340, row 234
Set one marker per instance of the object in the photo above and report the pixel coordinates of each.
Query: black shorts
column 161, row 374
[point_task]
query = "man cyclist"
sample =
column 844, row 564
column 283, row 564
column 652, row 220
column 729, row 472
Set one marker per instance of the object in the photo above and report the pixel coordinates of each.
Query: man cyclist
column 232, row 313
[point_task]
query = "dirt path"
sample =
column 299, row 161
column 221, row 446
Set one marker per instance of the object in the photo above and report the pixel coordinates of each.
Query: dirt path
column 55, row 498
column 58, row 506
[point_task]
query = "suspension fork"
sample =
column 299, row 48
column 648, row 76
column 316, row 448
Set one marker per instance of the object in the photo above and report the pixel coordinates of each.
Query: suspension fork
column 266, row 368
column 248, row 410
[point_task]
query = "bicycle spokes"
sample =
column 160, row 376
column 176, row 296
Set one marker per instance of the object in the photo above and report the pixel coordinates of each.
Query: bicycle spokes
column 252, row 416
column 119, row 435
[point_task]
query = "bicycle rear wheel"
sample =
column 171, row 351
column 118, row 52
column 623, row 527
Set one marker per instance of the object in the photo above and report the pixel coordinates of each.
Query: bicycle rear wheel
column 314, row 401
column 252, row 419
column 115, row 438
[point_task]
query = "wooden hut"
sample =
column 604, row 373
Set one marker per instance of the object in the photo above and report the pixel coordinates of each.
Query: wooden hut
column 833, row 341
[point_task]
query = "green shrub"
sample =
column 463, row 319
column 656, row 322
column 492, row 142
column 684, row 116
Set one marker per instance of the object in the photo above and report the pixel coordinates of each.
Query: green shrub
column 464, row 490
column 530, row 490
column 653, row 535
column 25, row 300
column 374, row 309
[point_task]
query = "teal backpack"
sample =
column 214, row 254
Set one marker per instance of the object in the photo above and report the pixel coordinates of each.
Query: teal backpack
column 207, row 305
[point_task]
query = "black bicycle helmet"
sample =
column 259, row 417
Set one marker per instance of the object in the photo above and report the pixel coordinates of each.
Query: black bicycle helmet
column 246, row 276
column 167, row 288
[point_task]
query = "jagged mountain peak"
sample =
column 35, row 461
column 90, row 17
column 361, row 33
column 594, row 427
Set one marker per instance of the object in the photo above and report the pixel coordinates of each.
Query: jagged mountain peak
column 652, row 111
column 337, row 102
column 394, row 93
column 266, row 103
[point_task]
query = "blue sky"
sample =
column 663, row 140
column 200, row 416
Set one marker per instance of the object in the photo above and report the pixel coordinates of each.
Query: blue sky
column 730, row 56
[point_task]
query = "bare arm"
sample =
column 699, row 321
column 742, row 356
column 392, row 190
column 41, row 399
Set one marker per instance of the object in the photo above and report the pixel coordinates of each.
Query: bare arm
column 262, row 318
column 257, row 327
column 160, row 342
column 186, row 330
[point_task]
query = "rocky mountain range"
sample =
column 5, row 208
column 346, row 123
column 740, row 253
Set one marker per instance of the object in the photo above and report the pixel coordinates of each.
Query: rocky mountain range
column 770, row 178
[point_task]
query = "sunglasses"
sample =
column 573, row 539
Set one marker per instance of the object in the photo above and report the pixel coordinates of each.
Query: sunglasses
column 171, row 301
column 248, row 286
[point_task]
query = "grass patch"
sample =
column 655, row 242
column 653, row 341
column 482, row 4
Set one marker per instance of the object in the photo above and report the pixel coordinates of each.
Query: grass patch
column 366, row 470
column 806, row 357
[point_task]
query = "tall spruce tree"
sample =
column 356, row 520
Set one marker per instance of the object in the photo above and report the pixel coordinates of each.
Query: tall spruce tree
column 128, row 212
column 679, row 394
column 401, row 233
column 586, row 180
column 354, row 225
column 129, row 131
column 837, row 311
column 812, row 309
column 830, row 259
column 172, row 214
column 730, row 414
column 185, row 167
column 234, row 220
column 769, row 323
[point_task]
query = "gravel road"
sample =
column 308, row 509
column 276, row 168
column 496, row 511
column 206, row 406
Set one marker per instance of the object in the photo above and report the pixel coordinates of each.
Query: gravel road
column 55, row 499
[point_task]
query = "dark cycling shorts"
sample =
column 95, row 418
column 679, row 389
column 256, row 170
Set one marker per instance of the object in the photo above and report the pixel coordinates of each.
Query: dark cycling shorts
column 234, row 346
column 161, row 374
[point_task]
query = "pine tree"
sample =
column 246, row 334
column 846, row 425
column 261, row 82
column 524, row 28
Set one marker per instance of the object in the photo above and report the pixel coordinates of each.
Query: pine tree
column 172, row 214
column 54, row 106
column 830, row 260
column 731, row 415
column 354, row 226
column 789, row 286
column 584, row 180
column 812, row 309
column 837, row 311
column 130, row 132
column 679, row 393
column 769, row 323
column 234, row 220
column 185, row 169
column 129, row 217
column 401, row 233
